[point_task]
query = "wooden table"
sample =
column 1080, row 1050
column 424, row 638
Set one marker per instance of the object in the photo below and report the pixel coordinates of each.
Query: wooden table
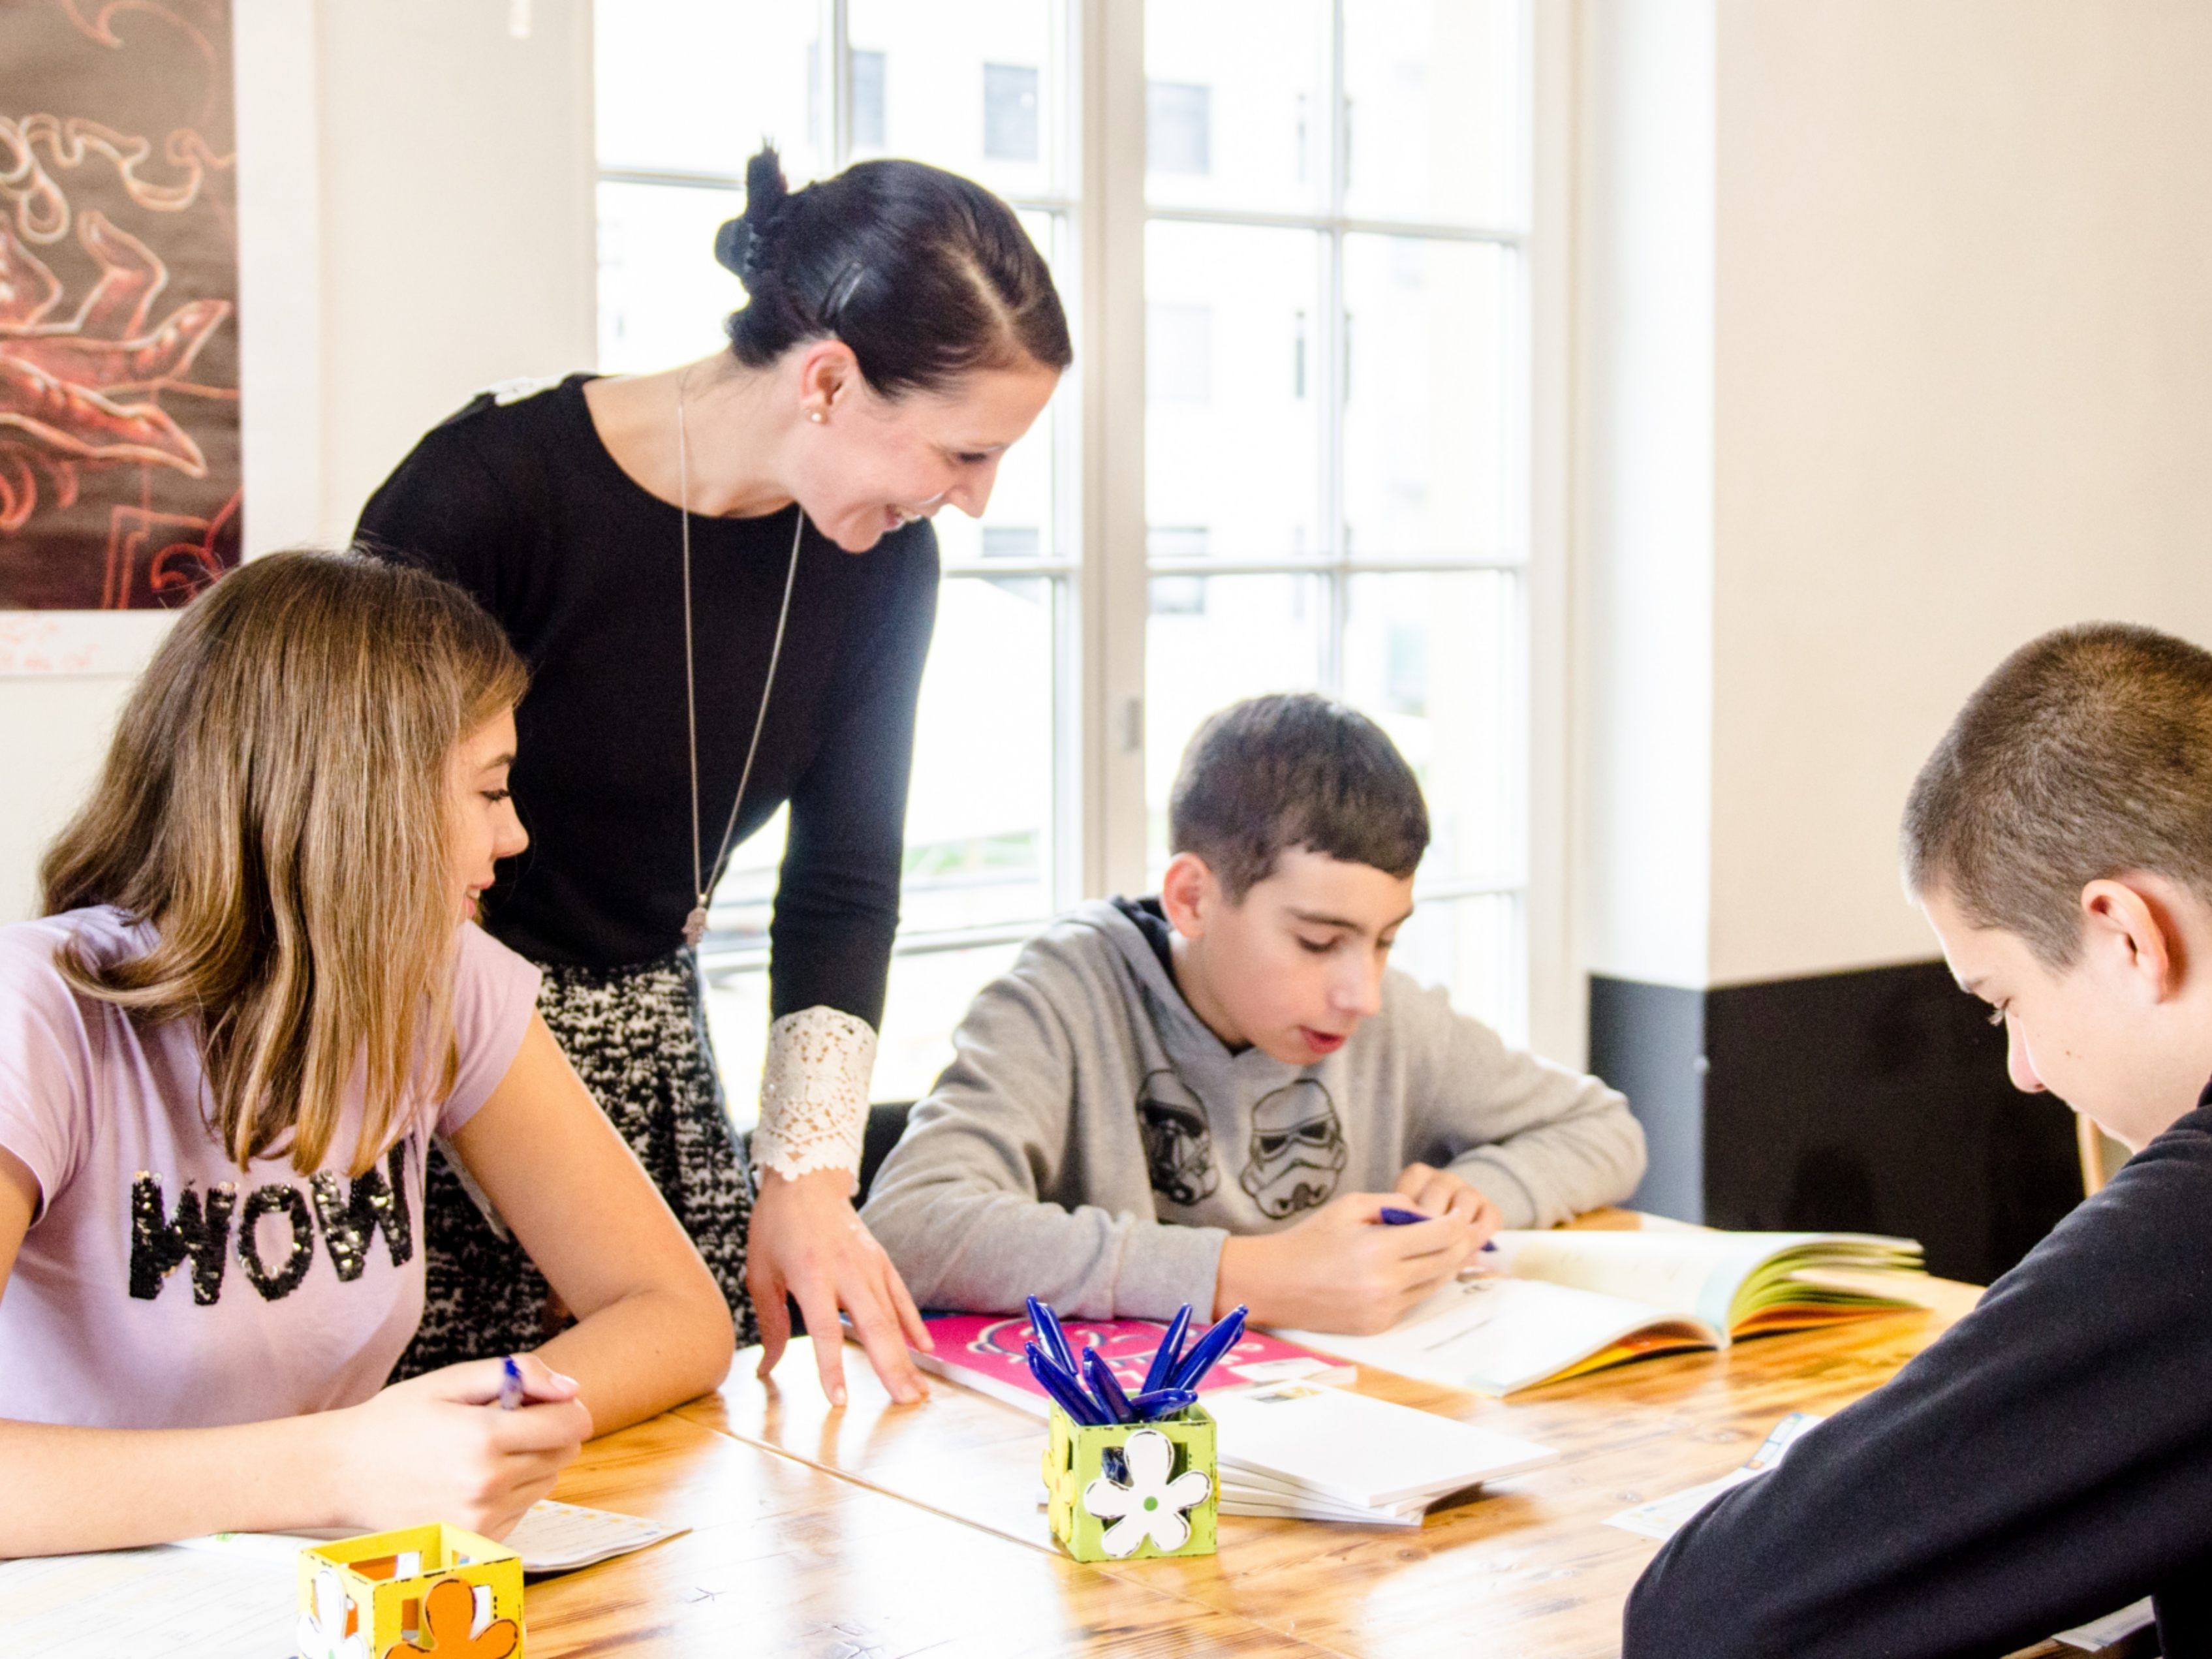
column 878, row 1529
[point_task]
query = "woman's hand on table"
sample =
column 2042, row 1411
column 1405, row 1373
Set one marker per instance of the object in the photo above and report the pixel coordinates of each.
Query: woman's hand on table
column 807, row 1245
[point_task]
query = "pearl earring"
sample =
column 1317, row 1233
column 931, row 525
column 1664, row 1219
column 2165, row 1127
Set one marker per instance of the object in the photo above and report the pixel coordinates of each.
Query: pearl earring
column 816, row 416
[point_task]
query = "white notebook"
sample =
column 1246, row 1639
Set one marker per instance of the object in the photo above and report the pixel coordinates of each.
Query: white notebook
column 1355, row 1451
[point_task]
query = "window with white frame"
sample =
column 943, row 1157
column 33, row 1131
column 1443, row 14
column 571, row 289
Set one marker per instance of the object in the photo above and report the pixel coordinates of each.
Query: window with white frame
column 1335, row 408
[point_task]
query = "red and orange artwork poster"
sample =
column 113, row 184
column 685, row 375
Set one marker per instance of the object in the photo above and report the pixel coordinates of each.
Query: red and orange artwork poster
column 118, row 303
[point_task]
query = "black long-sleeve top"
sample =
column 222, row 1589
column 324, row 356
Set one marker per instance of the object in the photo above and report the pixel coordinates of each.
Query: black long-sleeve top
column 517, row 499
column 2047, row 1461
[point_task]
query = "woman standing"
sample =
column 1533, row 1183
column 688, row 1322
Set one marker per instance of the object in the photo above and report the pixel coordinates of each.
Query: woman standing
column 671, row 554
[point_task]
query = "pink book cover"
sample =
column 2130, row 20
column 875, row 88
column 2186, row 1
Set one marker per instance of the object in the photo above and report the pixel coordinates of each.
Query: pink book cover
column 984, row 1351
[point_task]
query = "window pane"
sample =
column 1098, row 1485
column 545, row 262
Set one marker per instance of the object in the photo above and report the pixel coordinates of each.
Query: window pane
column 1232, row 428
column 1432, row 411
column 1210, row 640
column 1020, row 521
column 662, row 297
column 972, row 85
column 1434, row 659
column 979, row 816
column 1432, row 114
column 691, row 86
column 1237, row 103
column 1473, row 946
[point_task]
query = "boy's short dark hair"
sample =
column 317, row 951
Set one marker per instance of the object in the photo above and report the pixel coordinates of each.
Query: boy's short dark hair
column 1294, row 771
column 2086, row 755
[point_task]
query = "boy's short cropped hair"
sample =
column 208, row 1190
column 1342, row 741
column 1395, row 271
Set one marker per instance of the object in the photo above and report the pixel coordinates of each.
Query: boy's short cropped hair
column 2086, row 755
column 1294, row 771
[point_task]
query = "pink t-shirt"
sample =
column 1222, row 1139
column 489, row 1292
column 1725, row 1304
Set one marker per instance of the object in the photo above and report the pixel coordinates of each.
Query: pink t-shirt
column 162, row 1286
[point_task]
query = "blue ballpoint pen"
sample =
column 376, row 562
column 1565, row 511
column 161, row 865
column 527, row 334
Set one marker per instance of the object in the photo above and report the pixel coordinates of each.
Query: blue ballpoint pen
column 1209, row 1348
column 1168, row 1358
column 1054, row 1340
column 1106, row 1387
column 1079, row 1407
column 1394, row 1217
column 1156, row 1403
column 510, row 1384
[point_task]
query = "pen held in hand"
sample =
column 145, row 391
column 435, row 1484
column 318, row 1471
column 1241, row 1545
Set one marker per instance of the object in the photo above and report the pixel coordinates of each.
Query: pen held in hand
column 1391, row 1216
column 510, row 1384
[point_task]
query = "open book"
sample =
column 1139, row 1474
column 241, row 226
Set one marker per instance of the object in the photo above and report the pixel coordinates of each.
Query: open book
column 1555, row 1304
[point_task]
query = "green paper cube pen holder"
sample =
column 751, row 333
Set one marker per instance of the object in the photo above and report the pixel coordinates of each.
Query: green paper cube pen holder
column 1075, row 1456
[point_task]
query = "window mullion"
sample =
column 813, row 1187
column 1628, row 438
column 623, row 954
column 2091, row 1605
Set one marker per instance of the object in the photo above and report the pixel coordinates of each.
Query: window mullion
column 1111, row 237
column 1336, row 359
column 841, row 85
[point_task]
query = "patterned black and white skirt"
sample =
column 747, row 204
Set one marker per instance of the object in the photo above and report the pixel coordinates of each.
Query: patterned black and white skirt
column 638, row 1038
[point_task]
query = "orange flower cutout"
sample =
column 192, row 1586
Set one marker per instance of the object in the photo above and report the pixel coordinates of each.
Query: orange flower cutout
column 447, row 1613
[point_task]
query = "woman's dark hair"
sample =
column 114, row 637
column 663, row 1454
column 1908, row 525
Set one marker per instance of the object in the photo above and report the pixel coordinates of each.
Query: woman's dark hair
column 925, row 274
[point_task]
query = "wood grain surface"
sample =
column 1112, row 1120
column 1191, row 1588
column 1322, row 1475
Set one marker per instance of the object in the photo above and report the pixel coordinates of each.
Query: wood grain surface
column 1527, row 1568
column 877, row 1530
column 784, row 1560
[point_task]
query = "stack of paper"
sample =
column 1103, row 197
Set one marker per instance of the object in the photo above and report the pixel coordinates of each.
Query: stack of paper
column 1319, row 1454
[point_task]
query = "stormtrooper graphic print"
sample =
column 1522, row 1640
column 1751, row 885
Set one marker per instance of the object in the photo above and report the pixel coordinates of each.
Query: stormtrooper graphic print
column 1297, row 1150
column 1178, row 1146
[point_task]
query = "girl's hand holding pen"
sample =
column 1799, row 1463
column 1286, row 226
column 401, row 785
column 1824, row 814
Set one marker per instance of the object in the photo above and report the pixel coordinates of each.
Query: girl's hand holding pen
column 429, row 1447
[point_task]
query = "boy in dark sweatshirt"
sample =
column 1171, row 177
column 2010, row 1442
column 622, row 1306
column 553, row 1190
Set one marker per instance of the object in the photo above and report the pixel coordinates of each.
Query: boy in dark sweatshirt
column 1209, row 1097
column 2049, row 1460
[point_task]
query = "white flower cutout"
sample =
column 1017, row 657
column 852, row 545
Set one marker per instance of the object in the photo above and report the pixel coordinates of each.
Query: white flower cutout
column 1151, row 1505
column 322, row 1633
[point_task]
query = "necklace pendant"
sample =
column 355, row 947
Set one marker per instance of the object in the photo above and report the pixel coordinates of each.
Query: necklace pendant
column 694, row 925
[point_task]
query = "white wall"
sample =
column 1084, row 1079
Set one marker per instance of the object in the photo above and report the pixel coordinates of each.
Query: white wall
column 1964, row 395
column 459, row 242
column 1962, row 391
column 415, row 220
column 1644, row 441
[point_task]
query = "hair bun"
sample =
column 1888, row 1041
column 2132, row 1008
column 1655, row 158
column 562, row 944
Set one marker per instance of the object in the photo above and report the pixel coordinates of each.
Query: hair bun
column 733, row 243
column 766, row 191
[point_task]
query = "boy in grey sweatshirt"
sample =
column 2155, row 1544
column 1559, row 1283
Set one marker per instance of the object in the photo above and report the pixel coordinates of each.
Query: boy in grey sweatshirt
column 1210, row 1096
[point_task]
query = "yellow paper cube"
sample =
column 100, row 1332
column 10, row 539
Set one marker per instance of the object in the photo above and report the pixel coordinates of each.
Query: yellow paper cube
column 433, row 1589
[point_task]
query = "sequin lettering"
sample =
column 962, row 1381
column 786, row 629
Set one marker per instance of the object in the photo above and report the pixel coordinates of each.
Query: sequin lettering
column 378, row 1203
column 299, row 1253
column 160, row 1242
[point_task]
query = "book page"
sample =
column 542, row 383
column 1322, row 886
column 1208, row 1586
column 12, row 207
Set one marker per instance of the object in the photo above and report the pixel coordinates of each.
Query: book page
column 1718, row 1278
column 1494, row 1336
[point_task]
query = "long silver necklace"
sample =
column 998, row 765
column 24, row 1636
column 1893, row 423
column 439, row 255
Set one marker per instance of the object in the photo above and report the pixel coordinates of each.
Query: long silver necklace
column 694, row 925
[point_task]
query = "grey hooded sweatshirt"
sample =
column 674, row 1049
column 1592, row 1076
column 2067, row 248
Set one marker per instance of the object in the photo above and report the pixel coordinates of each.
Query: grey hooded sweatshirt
column 1094, row 1143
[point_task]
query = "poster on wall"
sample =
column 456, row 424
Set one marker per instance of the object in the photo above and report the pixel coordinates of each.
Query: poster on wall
column 119, row 477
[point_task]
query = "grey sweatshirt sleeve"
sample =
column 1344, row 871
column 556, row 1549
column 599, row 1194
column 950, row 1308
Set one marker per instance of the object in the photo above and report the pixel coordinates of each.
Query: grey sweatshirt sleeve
column 967, row 1204
column 1543, row 1142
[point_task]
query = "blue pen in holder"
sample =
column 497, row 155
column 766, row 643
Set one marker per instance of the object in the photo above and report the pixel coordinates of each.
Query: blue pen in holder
column 1125, row 1491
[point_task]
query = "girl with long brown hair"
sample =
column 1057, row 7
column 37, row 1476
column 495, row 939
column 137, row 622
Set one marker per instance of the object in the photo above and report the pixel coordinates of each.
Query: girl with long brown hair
column 256, row 994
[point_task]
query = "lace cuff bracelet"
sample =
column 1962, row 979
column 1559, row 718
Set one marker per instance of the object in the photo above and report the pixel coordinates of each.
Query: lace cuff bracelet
column 814, row 1094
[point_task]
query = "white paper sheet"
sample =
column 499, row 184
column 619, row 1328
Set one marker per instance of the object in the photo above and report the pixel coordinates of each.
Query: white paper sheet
column 235, row 1595
column 148, row 1604
column 1662, row 1517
